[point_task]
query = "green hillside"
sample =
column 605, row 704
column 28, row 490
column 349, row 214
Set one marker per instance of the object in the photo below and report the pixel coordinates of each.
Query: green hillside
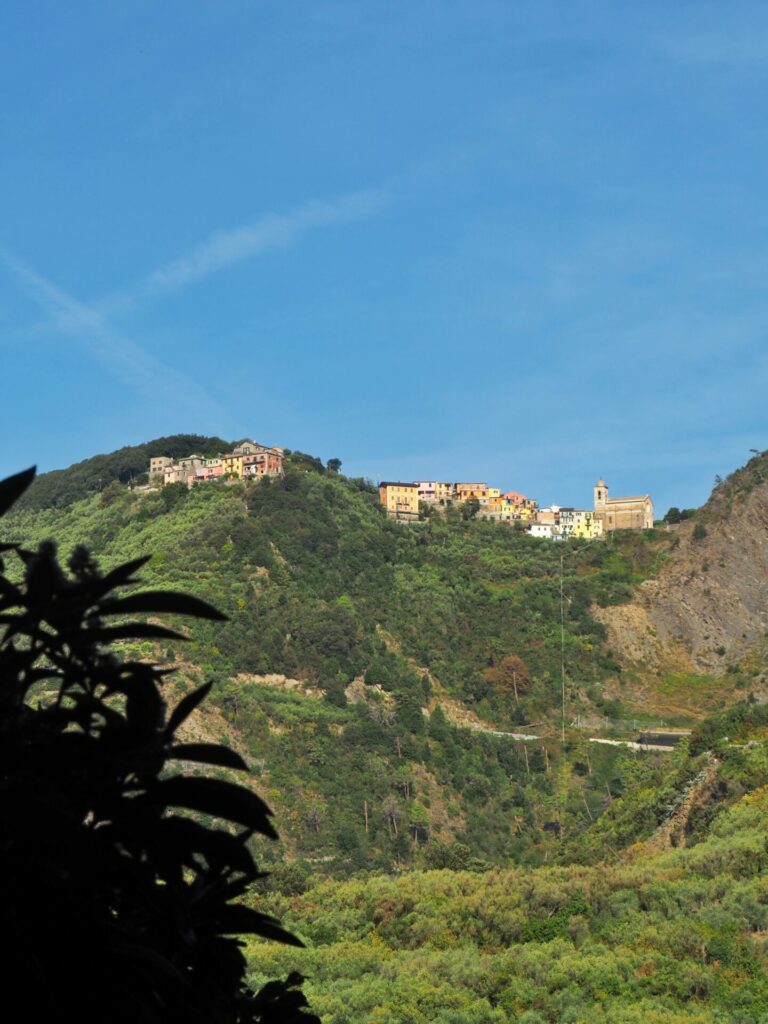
column 308, row 568
column 439, row 868
column 365, row 662
column 665, row 937
column 659, row 913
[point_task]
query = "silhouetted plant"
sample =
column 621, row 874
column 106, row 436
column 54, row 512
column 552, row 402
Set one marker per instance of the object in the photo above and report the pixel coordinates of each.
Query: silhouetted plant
column 117, row 903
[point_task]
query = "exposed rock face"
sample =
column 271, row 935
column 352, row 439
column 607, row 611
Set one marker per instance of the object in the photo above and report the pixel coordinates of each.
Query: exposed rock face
column 281, row 682
column 633, row 636
column 708, row 606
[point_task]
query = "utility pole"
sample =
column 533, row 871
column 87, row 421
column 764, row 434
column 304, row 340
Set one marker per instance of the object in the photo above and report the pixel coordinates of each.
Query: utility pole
column 562, row 645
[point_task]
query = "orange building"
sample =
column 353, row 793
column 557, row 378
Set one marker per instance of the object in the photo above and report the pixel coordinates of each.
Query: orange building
column 466, row 491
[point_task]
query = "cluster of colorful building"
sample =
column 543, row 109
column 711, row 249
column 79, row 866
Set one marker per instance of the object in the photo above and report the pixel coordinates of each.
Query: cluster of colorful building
column 403, row 501
column 409, row 501
column 247, row 461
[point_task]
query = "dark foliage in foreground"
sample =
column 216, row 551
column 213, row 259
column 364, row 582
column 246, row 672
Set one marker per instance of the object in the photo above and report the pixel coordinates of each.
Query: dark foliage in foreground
column 116, row 902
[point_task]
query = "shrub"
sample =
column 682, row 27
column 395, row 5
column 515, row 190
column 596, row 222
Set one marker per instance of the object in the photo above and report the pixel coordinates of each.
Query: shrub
column 117, row 902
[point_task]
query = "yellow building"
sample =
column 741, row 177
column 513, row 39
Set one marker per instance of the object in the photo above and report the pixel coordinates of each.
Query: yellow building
column 232, row 465
column 583, row 523
column 492, row 495
column 400, row 500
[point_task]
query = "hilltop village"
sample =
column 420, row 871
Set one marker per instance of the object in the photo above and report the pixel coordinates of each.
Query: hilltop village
column 408, row 502
column 247, row 461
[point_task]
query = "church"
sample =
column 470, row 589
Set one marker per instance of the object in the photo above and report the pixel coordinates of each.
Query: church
column 622, row 513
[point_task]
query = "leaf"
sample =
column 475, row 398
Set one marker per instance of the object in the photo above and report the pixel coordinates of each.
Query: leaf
column 97, row 587
column 235, row 919
column 12, row 488
column 279, row 1002
column 121, row 574
column 130, row 631
column 185, row 707
column 144, row 706
column 182, row 837
column 218, row 798
column 8, row 590
column 163, row 601
column 208, row 753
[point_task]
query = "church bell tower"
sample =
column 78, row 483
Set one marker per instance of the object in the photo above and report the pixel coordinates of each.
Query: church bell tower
column 601, row 495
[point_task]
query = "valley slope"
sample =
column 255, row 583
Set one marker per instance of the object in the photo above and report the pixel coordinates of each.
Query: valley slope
column 370, row 669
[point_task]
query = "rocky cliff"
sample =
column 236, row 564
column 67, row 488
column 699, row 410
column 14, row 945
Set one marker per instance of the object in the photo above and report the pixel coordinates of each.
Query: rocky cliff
column 707, row 608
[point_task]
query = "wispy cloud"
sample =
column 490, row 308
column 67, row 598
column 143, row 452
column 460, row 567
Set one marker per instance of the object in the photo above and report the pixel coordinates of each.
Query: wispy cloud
column 89, row 323
column 128, row 361
column 225, row 248
column 273, row 231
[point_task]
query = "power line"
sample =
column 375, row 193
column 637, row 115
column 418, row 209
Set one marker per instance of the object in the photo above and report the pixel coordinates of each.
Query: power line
column 562, row 644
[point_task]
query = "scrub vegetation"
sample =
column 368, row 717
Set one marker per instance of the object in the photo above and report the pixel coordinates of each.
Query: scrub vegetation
column 376, row 677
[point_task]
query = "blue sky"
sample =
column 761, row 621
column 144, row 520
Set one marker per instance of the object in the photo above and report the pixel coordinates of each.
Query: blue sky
column 517, row 242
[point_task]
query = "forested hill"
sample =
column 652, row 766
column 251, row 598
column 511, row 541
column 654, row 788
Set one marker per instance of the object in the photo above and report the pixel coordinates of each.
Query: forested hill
column 366, row 662
column 128, row 466
column 376, row 676
column 321, row 587
column 62, row 487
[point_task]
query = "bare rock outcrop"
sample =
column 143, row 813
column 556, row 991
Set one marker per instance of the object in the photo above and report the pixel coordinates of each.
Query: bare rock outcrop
column 708, row 606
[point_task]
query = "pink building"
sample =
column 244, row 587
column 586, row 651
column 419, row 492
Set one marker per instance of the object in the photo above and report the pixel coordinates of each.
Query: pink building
column 249, row 459
column 515, row 498
column 258, row 460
